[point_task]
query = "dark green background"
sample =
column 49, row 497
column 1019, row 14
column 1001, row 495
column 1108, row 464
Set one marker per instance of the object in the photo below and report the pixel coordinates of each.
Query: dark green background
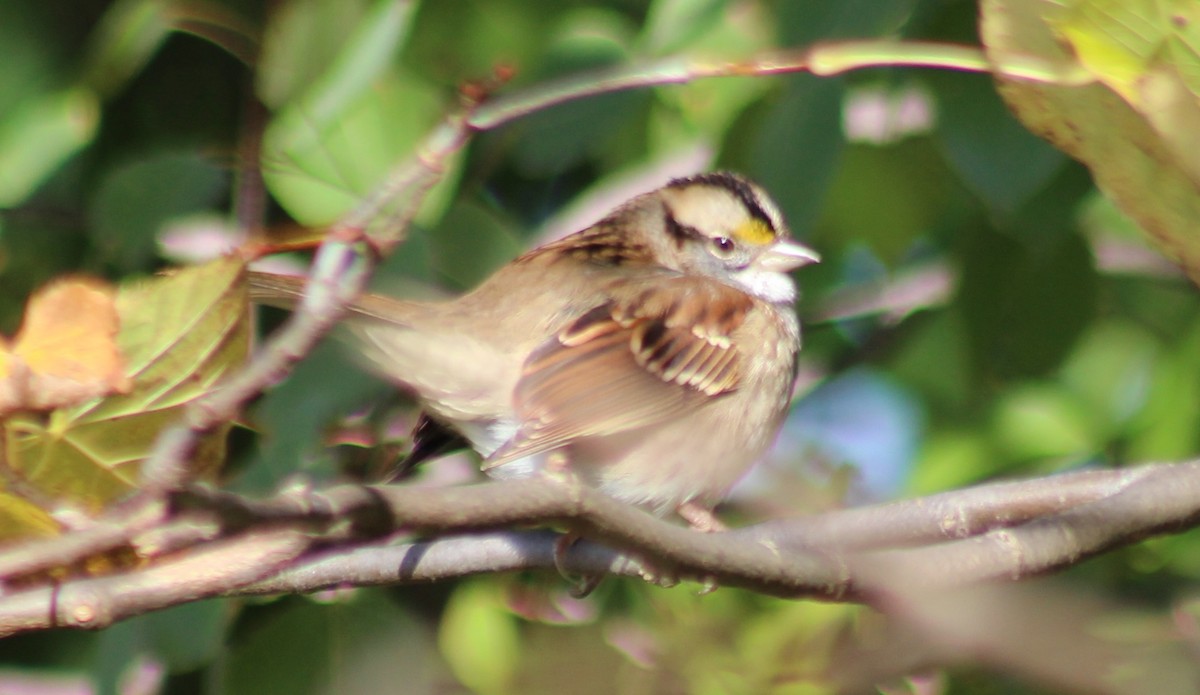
column 1038, row 361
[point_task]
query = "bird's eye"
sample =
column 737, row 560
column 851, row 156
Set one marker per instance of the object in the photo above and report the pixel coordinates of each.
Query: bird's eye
column 722, row 247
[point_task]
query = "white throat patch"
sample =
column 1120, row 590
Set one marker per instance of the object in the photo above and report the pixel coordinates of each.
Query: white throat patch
column 770, row 286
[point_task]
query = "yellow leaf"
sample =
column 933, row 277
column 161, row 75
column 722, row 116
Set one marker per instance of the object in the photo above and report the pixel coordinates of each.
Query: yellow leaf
column 22, row 519
column 1134, row 127
column 65, row 352
column 180, row 334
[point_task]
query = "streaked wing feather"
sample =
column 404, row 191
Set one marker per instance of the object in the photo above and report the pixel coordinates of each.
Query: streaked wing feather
column 623, row 366
column 677, row 355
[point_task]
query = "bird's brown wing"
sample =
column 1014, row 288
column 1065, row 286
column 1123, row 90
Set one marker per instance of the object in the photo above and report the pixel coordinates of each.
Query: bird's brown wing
column 627, row 364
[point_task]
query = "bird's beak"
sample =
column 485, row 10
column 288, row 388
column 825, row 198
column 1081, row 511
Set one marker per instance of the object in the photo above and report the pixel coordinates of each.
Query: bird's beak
column 786, row 256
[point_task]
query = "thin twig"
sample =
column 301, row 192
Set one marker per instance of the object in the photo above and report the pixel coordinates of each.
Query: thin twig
column 340, row 271
column 824, row 59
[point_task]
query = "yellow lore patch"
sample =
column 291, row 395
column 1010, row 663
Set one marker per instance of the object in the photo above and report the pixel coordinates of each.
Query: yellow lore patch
column 754, row 232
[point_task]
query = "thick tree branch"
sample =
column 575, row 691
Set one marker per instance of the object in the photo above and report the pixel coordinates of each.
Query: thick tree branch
column 215, row 543
column 198, row 573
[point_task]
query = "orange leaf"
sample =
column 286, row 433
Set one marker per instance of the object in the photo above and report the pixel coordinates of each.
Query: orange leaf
column 65, row 352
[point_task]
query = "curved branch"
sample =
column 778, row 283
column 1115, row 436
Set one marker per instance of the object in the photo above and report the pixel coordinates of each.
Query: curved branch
column 94, row 603
column 219, row 544
column 1145, row 501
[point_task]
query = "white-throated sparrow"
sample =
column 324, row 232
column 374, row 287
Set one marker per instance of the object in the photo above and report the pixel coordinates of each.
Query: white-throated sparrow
column 652, row 353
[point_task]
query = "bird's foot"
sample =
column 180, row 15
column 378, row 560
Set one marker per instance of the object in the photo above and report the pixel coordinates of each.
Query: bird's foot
column 581, row 585
column 700, row 518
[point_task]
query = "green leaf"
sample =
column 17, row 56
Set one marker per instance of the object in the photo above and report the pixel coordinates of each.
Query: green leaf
column 346, row 116
column 950, row 460
column 1043, row 421
column 456, row 40
column 20, row 518
column 1143, row 148
column 468, row 225
column 803, row 23
column 1009, row 165
column 906, row 186
column 116, row 650
column 1166, row 428
column 327, row 53
column 293, row 424
column 135, row 201
column 320, row 163
column 1025, row 304
column 791, row 643
column 39, row 135
column 697, row 113
column 673, row 24
column 479, row 638
column 935, row 361
column 1111, row 371
column 181, row 639
column 32, row 54
column 127, row 36
column 185, row 637
column 363, row 644
column 556, row 139
column 789, row 145
column 300, row 41
column 1148, row 52
column 179, row 336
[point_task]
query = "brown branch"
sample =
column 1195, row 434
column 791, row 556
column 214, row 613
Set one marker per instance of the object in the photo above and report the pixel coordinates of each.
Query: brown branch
column 115, row 531
column 198, row 573
column 964, row 513
column 1142, row 502
column 304, row 540
column 352, row 511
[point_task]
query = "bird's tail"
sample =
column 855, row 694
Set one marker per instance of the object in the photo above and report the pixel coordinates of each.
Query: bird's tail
column 280, row 291
column 286, row 291
column 406, row 341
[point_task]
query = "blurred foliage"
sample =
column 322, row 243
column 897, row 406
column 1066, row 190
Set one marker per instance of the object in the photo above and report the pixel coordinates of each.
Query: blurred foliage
column 127, row 122
column 178, row 336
